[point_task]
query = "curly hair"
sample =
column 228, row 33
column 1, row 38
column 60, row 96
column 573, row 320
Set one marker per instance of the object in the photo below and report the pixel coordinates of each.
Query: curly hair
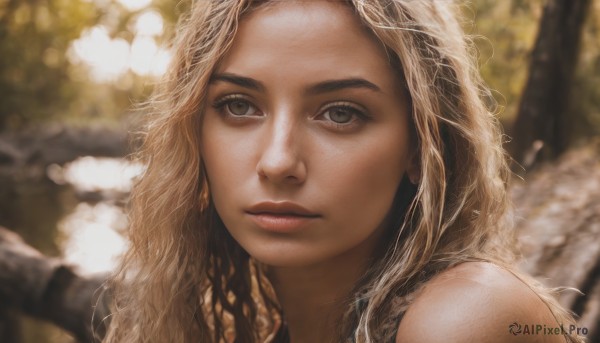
column 185, row 279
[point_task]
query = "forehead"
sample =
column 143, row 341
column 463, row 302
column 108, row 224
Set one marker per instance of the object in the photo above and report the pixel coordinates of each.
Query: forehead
column 307, row 39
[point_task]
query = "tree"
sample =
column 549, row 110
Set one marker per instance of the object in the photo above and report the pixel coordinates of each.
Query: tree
column 541, row 129
column 34, row 39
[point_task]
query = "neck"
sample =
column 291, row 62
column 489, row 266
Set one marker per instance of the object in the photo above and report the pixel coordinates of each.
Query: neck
column 313, row 298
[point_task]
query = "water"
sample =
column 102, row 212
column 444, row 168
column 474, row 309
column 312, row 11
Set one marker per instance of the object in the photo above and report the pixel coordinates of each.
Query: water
column 91, row 235
column 76, row 213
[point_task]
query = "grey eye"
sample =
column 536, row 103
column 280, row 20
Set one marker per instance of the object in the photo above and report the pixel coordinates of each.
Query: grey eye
column 340, row 115
column 240, row 108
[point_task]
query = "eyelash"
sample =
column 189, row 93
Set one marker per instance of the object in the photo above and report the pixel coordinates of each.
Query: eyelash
column 220, row 105
column 359, row 113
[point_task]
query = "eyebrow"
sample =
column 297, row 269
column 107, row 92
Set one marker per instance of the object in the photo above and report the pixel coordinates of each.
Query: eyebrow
column 336, row 85
column 321, row 87
column 241, row 81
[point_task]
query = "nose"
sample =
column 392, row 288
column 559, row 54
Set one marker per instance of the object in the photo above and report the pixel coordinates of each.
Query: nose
column 280, row 160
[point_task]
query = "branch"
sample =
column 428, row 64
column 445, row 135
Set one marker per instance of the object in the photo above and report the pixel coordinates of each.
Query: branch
column 45, row 288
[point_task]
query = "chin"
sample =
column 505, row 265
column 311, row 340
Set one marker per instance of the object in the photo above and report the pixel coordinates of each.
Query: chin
column 286, row 257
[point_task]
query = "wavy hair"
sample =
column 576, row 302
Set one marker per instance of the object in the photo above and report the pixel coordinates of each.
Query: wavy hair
column 185, row 279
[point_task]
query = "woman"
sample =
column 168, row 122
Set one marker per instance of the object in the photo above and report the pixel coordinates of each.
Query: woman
column 324, row 171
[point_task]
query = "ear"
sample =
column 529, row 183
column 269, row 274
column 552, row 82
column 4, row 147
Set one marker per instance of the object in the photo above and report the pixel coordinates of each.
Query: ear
column 413, row 171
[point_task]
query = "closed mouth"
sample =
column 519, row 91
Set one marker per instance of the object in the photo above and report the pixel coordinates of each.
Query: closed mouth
column 281, row 209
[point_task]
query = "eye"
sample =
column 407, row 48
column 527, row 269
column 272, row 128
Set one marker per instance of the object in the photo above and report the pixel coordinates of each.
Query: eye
column 343, row 113
column 339, row 115
column 240, row 108
column 235, row 106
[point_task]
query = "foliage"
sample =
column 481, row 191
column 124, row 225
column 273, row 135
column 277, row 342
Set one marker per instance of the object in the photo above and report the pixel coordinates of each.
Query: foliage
column 585, row 104
column 39, row 81
column 171, row 12
column 34, row 38
column 39, row 78
column 504, row 34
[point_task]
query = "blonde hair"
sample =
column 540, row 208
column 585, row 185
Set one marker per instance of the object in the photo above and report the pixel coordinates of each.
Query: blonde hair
column 184, row 278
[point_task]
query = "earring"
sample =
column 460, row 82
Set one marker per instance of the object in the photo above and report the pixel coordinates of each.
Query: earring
column 204, row 196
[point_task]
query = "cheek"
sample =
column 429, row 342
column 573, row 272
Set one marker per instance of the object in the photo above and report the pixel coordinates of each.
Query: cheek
column 218, row 160
column 225, row 153
column 365, row 181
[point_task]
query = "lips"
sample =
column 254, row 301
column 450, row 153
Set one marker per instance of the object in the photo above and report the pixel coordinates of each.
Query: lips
column 283, row 208
column 281, row 217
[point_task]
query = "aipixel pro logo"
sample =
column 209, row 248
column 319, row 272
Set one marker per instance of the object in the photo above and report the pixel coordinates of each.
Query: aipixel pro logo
column 541, row 329
column 515, row 328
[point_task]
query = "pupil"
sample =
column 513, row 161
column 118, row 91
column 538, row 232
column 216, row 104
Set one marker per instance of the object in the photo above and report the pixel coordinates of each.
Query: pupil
column 340, row 116
column 239, row 108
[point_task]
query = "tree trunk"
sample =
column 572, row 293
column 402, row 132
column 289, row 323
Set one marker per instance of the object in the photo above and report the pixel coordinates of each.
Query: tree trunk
column 44, row 288
column 541, row 129
column 61, row 144
column 558, row 212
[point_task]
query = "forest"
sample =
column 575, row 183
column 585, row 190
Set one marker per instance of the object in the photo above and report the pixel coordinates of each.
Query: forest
column 73, row 74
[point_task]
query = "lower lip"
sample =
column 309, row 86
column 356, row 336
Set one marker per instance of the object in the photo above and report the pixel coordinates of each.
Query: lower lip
column 281, row 223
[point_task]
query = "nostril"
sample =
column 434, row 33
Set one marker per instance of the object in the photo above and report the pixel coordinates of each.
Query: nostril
column 290, row 169
column 281, row 159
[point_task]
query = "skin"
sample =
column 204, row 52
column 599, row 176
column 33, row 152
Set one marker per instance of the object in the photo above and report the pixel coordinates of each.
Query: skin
column 287, row 147
column 269, row 133
column 475, row 302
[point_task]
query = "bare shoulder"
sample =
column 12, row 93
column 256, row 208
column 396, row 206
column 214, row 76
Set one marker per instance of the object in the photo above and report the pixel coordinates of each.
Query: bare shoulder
column 477, row 302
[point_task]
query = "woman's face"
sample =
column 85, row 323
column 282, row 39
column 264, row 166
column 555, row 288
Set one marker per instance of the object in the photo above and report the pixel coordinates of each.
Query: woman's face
column 305, row 136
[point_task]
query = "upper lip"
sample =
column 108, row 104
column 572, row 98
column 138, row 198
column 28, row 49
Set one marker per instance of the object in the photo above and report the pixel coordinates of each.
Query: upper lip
column 281, row 208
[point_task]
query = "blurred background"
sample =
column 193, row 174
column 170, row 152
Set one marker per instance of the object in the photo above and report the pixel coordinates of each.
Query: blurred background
column 71, row 72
